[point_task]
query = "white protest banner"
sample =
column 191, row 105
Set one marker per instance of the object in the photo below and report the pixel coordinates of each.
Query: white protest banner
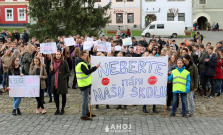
column 69, row 41
column 26, row 86
column 127, row 41
column 87, row 45
column 129, row 80
column 48, row 48
column 104, row 46
column 118, row 48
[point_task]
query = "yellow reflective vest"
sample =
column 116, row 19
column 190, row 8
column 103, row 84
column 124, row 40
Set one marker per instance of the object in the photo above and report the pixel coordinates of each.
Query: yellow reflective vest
column 180, row 80
column 83, row 80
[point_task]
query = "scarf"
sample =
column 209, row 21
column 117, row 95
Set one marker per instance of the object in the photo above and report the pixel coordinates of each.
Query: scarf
column 56, row 70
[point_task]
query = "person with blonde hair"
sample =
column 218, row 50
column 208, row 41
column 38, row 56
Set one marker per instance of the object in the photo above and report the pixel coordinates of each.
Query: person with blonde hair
column 6, row 63
column 26, row 58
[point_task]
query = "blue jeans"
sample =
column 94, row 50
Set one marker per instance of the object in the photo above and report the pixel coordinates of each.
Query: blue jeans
column 84, row 105
column 4, row 75
column 16, row 102
column 217, row 85
column 183, row 100
column 222, row 86
column 48, row 86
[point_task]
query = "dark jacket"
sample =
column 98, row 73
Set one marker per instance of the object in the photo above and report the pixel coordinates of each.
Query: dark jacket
column 85, row 70
column 16, row 36
column 143, row 43
column 25, row 37
column 203, row 55
column 194, row 75
column 26, row 61
column 64, row 72
column 211, row 65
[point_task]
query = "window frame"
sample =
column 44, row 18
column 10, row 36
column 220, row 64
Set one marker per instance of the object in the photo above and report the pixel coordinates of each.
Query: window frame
column 159, row 27
column 117, row 18
column 173, row 16
column 133, row 17
column 24, row 14
column 6, row 14
column 181, row 16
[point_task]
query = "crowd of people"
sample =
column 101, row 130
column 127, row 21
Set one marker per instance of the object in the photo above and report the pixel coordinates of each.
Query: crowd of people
column 192, row 67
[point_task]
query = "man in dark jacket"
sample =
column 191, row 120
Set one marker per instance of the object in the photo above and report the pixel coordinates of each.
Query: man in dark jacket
column 210, row 70
column 83, row 74
column 25, row 36
column 194, row 75
column 16, row 35
column 201, row 65
column 143, row 42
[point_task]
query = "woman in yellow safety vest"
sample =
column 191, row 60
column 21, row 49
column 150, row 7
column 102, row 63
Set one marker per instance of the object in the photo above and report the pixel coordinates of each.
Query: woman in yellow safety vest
column 180, row 78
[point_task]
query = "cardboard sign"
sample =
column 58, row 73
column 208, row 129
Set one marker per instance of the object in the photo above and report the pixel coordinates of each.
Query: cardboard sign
column 127, row 41
column 87, row 45
column 129, row 80
column 69, row 41
column 26, row 86
column 104, row 46
column 118, row 48
column 48, row 48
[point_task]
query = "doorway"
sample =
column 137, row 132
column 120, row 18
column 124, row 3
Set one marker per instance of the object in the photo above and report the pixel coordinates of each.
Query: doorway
column 202, row 23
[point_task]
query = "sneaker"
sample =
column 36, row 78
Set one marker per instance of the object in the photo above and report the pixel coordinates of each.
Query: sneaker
column 107, row 107
column 14, row 112
column 57, row 112
column 96, row 107
column 43, row 111
column 37, row 111
column 172, row 115
column 62, row 112
column 210, row 96
column 18, row 112
column 185, row 115
column 86, row 118
column 93, row 115
column 191, row 115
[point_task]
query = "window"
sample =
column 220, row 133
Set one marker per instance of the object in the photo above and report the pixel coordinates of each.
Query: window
column 152, row 27
column 9, row 14
column 119, row 18
column 130, row 17
column 202, row 1
column 130, row 0
column 21, row 14
column 160, row 26
column 170, row 17
column 118, row 0
column 98, row 1
column 181, row 16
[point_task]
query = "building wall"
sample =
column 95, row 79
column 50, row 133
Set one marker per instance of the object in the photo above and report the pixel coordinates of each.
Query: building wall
column 120, row 7
column 160, row 9
column 212, row 10
column 15, row 5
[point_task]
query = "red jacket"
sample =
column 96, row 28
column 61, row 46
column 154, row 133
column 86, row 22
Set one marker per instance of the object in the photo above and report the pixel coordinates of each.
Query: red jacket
column 219, row 72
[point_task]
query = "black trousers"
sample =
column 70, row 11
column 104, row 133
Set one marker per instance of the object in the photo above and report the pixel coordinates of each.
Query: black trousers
column 57, row 100
column 40, row 99
column 169, row 94
column 211, row 78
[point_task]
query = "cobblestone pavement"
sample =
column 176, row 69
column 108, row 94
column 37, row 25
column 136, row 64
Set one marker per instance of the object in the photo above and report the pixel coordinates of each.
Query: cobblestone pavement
column 108, row 125
column 208, row 118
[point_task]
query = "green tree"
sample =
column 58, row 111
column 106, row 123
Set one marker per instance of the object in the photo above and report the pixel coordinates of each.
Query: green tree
column 66, row 17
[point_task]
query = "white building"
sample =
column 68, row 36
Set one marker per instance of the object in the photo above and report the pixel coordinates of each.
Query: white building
column 166, row 10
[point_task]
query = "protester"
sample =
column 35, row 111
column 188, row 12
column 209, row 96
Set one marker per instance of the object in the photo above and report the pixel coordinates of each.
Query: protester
column 37, row 68
column 219, row 75
column 210, row 71
column 59, row 71
column 194, row 75
column 15, row 69
column 83, row 74
column 6, row 63
column 181, row 86
column 26, row 58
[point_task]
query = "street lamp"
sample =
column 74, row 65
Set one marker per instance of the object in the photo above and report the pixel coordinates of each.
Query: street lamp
column 124, row 14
